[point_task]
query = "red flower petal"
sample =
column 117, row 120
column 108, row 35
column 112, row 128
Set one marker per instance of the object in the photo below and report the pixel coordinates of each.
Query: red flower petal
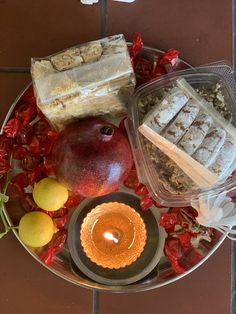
column 60, row 222
column 146, row 202
column 4, row 166
column 132, row 180
column 35, row 145
column 173, row 248
column 47, row 256
column 5, row 146
column 168, row 221
column 41, row 129
column 26, row 113
column 73, row 201
column 11, row 128
column 28, row 97
column 20, row 181
column 30, row 161
column 25, row 135
column 140, row 189
column 18, row 152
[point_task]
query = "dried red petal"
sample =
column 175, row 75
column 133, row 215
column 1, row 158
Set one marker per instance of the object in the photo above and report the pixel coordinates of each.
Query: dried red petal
column 26, row 113
column 60, row 222
column 35, row 145
column 43, row 146
column 58, row 213
column 190, row 211
column 58, row 240
column 25, row 135
column 73, row 201
column 143, row 69
column 11, row 128
column 18, row 152
column 47, row 256
column 38, row 173
column 5, row 146
column 146, row 202
column 173, row 249
column 185, row 239
column 30, row 161
column 20, row 181
column 176, row 266
column 4, row 166
column 137, row 44
column 52, row 135
column 46, row 147
column 28, row 97
column 41, row 129
column 168, row 221
column 158, row 205
column 141, row 189
column 28, row 203
column 132, row 180
column 171, row 56
column 158, row 71
column 49, row 168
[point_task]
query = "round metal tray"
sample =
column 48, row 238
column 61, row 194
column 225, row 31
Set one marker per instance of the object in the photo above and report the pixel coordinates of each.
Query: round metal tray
column 63, row 266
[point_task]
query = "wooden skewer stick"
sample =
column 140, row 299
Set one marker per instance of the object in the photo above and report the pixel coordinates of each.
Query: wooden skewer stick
column 194, row 170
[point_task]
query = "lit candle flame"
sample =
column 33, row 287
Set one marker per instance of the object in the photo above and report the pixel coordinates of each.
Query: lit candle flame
column 110, row 236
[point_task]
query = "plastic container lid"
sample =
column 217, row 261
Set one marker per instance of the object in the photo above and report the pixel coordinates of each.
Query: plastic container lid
column 208, row 91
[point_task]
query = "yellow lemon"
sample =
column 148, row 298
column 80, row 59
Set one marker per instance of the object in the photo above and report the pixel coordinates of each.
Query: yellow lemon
column 49, row 194
column 36, row 229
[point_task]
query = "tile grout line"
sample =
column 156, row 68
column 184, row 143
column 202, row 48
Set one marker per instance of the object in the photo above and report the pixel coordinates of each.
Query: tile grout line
column 95, row 309
column 104, row 14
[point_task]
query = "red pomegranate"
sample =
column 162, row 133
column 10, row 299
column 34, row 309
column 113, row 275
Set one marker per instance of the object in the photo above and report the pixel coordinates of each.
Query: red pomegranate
column 92, row 157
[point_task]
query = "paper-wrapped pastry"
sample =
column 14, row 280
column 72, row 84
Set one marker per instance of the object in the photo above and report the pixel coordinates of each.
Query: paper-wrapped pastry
column 92, row 79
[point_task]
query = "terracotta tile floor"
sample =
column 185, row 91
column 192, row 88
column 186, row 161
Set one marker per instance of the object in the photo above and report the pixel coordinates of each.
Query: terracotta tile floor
column 202, row 32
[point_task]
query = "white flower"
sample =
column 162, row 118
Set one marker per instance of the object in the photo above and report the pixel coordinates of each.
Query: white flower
column 217, row 211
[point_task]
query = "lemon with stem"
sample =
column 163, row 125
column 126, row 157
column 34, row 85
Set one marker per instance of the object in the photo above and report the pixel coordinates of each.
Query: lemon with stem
column 49, row 194
column 36, row 229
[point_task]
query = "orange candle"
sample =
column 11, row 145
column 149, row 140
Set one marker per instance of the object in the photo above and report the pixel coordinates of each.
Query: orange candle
column 113, row 235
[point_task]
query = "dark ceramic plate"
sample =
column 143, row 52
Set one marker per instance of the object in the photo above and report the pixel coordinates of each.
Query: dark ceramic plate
column 123, row 276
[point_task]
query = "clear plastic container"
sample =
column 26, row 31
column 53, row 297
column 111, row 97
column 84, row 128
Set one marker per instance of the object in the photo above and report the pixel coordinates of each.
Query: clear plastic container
column 168, row 184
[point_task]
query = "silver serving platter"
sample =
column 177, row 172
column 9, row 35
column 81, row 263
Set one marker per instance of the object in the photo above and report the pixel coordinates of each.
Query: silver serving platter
column 62, row 265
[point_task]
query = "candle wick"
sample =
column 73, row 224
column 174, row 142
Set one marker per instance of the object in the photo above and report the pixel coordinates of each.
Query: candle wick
column 110, row 236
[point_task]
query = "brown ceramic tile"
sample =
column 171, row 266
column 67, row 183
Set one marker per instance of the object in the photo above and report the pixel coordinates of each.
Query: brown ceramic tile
column 38, row 28
column 201, row 30
column 27, row 287
column 205, row 291
column 10, row 86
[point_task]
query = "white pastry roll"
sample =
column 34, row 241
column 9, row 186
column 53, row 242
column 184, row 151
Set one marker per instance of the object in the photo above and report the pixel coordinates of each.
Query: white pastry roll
column 182, row 122
column 193, row 138
column 166, row 110
column 225, row 158
column 207, row 152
